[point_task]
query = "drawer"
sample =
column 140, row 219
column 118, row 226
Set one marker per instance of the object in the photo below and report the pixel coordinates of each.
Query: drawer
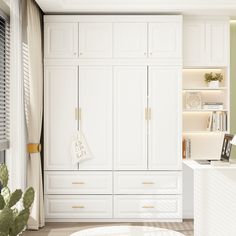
column 74, row 206
column 78, row 182
column 149, row 206
column 143, row 182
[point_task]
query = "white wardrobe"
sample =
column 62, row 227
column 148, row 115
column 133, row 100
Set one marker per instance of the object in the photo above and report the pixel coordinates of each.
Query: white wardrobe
column 119, row 79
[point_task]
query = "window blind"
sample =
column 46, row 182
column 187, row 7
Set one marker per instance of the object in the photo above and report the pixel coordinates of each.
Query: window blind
column 4, row 83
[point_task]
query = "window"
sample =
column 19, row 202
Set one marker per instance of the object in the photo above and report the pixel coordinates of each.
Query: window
column 4, row 85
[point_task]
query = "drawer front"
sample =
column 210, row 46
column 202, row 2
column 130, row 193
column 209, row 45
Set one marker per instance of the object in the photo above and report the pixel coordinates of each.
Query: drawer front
column 142, row 182
column 162, row 207
column 72, row 207
column 80, row 182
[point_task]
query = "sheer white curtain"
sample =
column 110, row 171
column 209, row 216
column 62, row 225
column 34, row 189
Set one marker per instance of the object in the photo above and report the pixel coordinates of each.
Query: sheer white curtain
column 33, row 83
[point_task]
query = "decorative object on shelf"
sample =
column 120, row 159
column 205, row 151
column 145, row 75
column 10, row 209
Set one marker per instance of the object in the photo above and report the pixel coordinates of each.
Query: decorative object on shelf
column 233, row 141
column 213, row 80
column 12, row 220
column 193, row 100
column 226, row 147
column 213, row 105
column 186, row 145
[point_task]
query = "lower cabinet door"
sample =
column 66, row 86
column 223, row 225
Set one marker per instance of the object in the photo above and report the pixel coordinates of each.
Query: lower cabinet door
column 77, row 207
column 148, row 207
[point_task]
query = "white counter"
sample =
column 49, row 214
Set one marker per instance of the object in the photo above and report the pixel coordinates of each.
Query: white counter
column 214, row 199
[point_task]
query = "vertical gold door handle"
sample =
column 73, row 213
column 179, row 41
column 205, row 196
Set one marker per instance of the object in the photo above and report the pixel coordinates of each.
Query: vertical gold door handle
column 78, row 113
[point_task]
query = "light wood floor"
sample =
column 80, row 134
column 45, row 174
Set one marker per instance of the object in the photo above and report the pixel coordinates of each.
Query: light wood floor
column 65, row 229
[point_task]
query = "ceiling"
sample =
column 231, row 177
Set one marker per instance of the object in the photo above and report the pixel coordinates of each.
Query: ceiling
column 198, row 7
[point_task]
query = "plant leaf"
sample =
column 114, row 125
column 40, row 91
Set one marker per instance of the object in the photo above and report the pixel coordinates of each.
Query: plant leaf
column 20, row 222
column 28, row 198
column 3, row 234
column 6, row 194
column 4, row 175
column 15, row 197
column 2, row 202
column 6, row 219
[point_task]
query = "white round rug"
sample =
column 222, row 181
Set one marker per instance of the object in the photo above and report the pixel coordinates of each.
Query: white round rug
column 126, row 231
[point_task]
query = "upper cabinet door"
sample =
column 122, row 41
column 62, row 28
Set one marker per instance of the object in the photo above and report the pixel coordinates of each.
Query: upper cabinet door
column 95, row 101
column 165, row 123
column 95, row 40
column 61, row 40
column 165, row 40
column 206, row 42
column 130, row 40
column 194, row 43
column 217, row 35
column 60, row 125
column 130, row 126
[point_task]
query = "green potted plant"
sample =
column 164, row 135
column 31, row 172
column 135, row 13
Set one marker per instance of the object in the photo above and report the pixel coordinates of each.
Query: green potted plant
column 213, row 80
column 13, row 220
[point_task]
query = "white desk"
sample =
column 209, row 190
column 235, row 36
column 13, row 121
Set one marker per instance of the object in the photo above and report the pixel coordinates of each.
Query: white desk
column 214, row 199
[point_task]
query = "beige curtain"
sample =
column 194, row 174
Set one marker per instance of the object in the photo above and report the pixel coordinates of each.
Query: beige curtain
column 33, row 83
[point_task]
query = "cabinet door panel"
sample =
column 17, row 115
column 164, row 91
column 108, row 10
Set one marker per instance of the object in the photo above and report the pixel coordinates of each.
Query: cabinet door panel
column 130, row 127
column 95, row 40
column 165, row 40
column 95, row 101
column 61, row 99
column 194, row 43
column 61, row 40
column 130, row 40
column 217, row 43
column 165, row 123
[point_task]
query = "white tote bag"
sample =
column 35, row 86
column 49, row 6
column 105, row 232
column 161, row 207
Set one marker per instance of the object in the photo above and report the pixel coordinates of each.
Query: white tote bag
column 79, row 149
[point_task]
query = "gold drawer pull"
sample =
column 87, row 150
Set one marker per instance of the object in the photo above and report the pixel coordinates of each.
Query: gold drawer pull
column 148, row 207
column 77, row 207
column 77, row 182
column 148, row 183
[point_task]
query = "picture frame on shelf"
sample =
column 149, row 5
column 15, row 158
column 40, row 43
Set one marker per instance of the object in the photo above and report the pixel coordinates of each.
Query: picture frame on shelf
column 193, row 100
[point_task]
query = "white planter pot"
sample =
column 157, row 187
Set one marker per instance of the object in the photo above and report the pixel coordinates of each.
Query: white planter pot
column 214, row 84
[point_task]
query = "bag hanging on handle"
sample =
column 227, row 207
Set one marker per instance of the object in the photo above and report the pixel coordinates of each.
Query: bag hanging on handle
column 79, row 149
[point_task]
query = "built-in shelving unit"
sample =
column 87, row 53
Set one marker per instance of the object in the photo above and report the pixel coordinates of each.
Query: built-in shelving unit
column 204, row 141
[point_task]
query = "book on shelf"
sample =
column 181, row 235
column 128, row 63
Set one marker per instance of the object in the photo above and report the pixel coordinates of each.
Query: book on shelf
column 186, row 145
column 217, row 121
column 213, row 105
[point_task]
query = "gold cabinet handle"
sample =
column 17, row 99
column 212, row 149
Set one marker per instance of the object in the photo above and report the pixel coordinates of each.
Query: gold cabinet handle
column 78, row 113
column 78, row 183
column 77, row 207
column 146, row 183
column 148, row 113
column 148, row 207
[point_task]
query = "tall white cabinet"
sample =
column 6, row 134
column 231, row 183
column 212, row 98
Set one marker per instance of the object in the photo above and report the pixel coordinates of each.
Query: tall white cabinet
column 119, row 81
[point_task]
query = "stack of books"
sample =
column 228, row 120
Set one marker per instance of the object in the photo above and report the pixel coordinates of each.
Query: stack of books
column 186, row 148
column 217, row 121
column 213, row 105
